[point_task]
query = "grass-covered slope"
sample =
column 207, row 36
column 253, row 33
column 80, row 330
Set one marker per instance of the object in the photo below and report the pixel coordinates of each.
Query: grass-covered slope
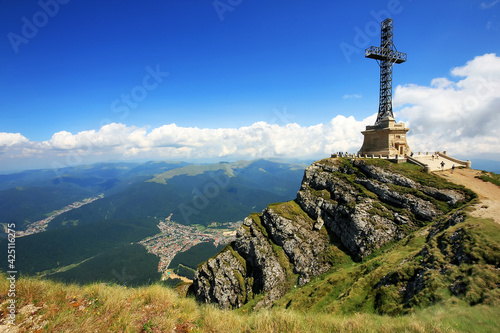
column 46, row 306
column 457, row 266
column 490, row 177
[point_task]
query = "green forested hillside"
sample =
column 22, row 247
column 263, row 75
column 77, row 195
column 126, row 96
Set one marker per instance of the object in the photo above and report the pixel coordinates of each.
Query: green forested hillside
column 51, row 250
column 128, row 265
column 195, row 255
column 28, row 204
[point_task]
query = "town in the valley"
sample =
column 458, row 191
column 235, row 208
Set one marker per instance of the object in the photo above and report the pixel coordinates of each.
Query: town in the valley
column 41, row 225
column 175, row 238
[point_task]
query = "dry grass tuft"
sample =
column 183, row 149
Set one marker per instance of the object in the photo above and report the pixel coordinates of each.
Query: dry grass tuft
column 46, row 306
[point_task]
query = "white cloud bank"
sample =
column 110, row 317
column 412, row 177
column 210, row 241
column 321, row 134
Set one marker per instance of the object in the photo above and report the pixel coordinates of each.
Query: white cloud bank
column 459, row 116
column 173, row 142
column 462, row 116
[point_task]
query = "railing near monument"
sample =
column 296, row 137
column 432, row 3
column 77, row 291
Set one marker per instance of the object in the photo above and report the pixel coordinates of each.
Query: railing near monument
column 415, row 161
column 401, row 159
column 392, row 157
column 467, row 163
column 426, row 167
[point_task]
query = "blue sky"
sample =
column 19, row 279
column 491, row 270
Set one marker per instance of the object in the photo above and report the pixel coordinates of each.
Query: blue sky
column 121, row 73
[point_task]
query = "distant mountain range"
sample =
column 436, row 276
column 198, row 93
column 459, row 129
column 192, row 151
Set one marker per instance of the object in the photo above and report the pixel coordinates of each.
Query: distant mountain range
column 87, row 243
column 32, row 195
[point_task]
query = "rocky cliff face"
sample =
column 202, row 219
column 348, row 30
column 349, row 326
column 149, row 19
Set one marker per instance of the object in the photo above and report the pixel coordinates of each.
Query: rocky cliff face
column 343, row 207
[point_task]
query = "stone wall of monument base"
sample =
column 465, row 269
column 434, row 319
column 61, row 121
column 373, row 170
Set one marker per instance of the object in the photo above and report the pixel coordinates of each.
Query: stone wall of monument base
column 377, row 142
column 377, row 153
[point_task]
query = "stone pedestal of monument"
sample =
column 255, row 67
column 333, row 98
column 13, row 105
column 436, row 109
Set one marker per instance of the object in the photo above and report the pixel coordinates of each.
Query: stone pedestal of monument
column 387, row 138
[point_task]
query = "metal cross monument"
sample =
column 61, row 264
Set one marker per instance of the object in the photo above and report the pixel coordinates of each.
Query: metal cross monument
column 386, row 56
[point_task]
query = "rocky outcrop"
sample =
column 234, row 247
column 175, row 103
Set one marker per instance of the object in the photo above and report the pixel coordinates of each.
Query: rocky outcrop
column 420, row 207
column 451, row 197
column 219, row 280
column 301, row 242
column 270, row 252
column 265, row 274
column 348, row 206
